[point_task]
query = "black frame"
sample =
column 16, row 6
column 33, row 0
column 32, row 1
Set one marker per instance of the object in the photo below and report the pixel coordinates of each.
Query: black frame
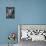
column 10, row 12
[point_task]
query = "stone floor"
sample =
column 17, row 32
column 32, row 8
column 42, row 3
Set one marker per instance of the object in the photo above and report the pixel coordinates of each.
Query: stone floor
column 28, row 43
column 34, row 43
column 9, row 45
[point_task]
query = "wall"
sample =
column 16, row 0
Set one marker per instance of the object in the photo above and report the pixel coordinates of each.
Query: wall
column 27, row 12
column 6, row 25
column 31, row 11
column 33, row 27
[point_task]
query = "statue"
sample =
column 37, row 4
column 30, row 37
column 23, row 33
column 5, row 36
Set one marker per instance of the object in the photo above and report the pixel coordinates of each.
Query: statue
column 11, row 37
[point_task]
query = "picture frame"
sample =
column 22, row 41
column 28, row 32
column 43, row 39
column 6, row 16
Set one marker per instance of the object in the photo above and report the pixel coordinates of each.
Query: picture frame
column 10, row 12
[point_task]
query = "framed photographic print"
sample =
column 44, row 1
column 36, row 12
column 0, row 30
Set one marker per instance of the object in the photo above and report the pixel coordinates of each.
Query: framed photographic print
column 10, row 12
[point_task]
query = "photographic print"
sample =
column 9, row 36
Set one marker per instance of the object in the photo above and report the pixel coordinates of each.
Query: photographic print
column 10, row 12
